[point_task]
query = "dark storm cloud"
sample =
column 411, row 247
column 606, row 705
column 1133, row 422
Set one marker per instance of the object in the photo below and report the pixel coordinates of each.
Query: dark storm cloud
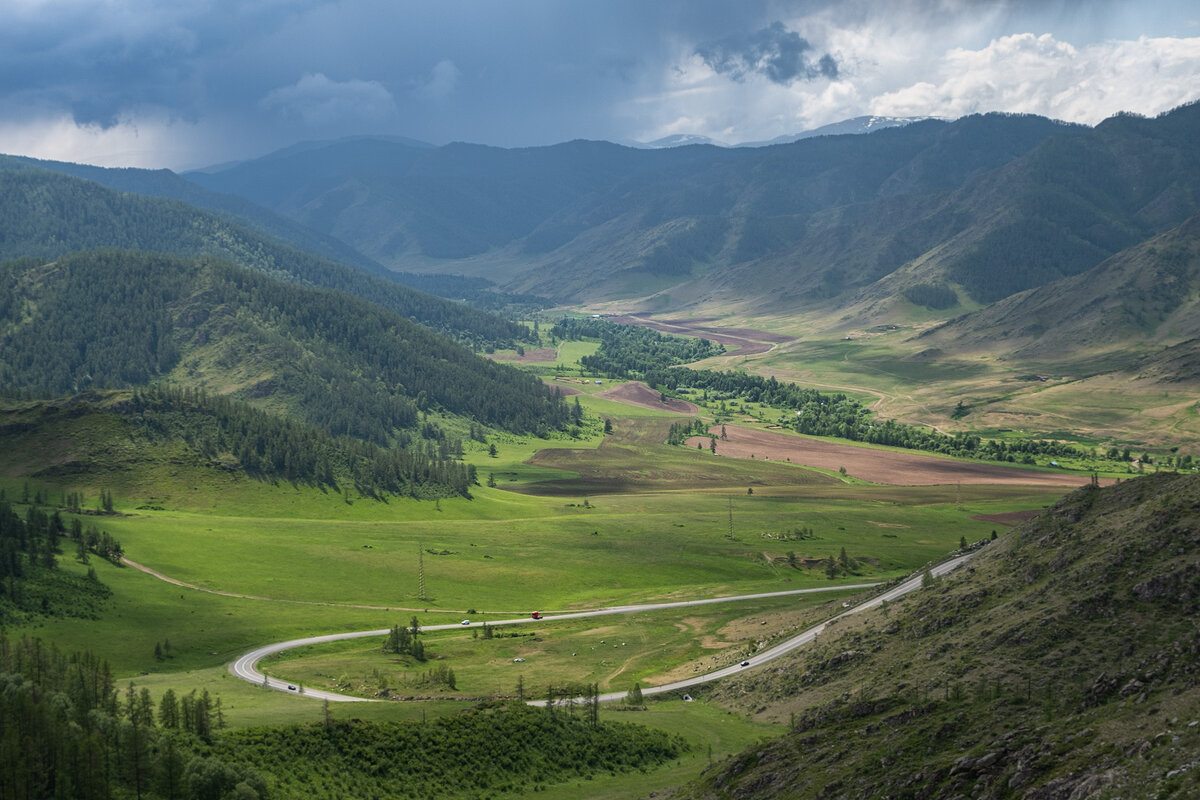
column 781, row 55
column 101, row 60
column 235, row 78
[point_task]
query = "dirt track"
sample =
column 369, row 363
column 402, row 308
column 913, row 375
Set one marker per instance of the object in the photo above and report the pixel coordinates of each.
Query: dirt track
column 641, row 395
column 877, row 466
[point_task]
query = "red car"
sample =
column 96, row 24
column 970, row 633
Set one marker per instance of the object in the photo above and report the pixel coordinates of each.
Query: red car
column 536, row 615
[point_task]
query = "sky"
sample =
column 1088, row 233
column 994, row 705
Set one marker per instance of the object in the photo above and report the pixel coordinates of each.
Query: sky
column 190, row 83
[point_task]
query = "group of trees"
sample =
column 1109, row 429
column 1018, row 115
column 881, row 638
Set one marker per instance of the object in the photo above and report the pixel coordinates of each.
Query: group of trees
column 67, row 731
column 405, row 641
column 507, row 749
column 680, row 432
column 631, row 351
column 30, row 582
column 224, row 432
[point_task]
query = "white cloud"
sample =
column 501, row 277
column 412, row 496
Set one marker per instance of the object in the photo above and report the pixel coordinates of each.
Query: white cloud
column 441, row 83
column 888, row 71
column 318, row 102
column 1041, row 75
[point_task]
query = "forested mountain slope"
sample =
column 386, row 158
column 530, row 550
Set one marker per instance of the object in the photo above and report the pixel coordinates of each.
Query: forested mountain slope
column 166, row 184
column 986, row 205
column 45, row 215
column 111, row 319
column 1063, row 662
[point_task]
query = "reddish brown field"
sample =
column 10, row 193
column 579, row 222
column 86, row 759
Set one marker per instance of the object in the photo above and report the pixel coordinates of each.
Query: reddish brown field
column 538, row 356
column 878, row 466
column 1009, row 518
column 565, row 390
column 743, row 341
column 641, row 395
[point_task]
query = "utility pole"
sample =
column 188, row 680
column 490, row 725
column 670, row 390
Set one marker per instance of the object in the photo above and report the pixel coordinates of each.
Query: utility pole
column 730, row 534
column 420, row 571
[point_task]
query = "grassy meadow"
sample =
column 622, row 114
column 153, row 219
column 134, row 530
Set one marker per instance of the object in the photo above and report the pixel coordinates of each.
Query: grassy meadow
column 572, row 523
column 1095, row 401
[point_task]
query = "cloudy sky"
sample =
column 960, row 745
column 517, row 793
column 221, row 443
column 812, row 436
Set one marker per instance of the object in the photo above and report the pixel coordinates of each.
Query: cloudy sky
column 187, row 83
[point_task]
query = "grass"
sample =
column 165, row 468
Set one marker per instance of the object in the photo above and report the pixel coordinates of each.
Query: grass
column 573, row 522
column 547, row 552
column 714, row 733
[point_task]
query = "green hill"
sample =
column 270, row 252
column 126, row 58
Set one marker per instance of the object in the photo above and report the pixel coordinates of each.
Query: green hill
column 121, row 437
column 164, row 183
column 44, row 215
column 112, row 319
column 1062, row 662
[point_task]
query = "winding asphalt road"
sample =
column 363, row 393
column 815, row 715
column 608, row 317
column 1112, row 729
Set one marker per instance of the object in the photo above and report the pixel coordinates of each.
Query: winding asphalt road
column 246, row 667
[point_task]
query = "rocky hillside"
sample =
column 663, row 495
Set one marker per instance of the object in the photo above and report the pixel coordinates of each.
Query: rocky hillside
column 1146, row 294
column 1064, row 662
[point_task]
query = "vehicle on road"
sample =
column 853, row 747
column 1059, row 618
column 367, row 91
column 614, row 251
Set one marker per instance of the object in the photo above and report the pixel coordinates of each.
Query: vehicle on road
column 745, row 663
column 291, row 688
column 536, row 615
column 465, row 622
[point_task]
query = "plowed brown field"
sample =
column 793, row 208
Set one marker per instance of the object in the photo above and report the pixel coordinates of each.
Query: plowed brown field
column 639, row 394
column 878, row 466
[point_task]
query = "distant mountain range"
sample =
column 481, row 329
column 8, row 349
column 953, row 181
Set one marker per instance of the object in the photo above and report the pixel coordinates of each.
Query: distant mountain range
column 1030, row 234
column 845, row 127
column 927, row 214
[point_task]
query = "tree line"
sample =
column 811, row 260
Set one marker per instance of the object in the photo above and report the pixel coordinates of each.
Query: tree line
column 224, row 431
column 836, row 415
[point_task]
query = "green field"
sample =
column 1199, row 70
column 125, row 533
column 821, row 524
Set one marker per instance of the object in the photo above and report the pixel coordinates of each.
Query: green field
column 572, row 523
column 680, row 525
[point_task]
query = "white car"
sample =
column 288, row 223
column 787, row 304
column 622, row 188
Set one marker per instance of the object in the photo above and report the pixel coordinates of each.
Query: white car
column 465, row 622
